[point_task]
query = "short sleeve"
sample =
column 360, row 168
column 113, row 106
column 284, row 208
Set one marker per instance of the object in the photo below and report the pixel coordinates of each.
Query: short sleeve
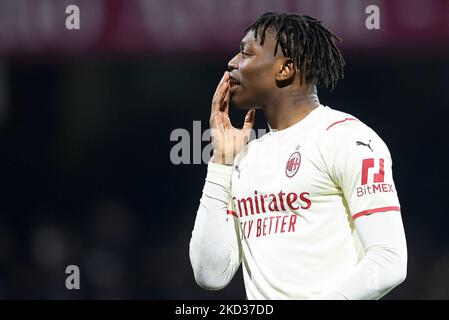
column 360, row 163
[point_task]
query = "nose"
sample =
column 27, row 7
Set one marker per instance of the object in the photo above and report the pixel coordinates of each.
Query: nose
column 232, row 64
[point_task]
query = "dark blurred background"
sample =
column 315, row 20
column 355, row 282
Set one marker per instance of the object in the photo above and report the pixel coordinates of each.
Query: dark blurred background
column 86, row 117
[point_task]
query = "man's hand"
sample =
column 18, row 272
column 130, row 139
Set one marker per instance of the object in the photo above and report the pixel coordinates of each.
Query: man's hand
column 227, row 141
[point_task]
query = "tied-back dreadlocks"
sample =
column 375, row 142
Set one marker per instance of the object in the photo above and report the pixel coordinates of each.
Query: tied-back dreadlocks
column 308, row 43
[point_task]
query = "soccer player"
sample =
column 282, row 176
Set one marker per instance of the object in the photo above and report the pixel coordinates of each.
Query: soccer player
column 310, row 209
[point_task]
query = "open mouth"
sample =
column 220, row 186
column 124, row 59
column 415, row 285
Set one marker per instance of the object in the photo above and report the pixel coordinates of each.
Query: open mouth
column 234, row 82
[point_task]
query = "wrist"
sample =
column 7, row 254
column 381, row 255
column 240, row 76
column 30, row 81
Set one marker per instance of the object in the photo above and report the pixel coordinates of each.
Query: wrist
column 222, row 159
column 219, row 174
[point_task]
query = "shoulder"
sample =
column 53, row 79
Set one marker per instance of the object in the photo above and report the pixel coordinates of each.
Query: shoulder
column 332, row 121
column 341, row 131
column 336, row 124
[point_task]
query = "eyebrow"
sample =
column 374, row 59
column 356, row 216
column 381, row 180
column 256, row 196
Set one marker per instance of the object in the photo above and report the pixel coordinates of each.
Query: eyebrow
column 244, row 43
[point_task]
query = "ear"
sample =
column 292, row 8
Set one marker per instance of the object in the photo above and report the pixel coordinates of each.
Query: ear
column 286, row 72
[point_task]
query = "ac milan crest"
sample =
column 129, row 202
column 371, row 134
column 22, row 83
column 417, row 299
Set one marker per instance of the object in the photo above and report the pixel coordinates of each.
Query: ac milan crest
column 293, row 164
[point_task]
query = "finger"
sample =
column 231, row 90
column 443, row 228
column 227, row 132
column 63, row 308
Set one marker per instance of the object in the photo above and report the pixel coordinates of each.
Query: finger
column 225, row 103
column 224, row 98
column 219, row 112
column 216, row 120
column 223, row 80
column 226, row 121
column 219, row 92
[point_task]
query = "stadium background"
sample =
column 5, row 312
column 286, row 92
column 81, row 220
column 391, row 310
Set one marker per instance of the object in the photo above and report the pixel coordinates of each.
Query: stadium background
column 86, row 118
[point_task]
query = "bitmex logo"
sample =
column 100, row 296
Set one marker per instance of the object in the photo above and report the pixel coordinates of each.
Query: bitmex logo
column 368, row 164
column 376, row 179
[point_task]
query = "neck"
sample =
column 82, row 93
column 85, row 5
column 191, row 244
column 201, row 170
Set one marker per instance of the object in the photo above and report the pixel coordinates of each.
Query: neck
column 291, row 107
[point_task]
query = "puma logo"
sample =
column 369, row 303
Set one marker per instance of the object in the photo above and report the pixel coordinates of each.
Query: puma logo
column 360, row 143
column 238, row 169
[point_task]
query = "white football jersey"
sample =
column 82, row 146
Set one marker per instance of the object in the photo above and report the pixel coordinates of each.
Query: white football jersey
column 294, row 196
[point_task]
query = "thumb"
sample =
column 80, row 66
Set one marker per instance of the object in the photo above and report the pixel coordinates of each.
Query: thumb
column 248, row 125
column 249, row 120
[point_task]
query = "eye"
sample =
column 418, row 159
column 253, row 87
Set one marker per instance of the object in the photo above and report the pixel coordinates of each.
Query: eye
column 244, row 53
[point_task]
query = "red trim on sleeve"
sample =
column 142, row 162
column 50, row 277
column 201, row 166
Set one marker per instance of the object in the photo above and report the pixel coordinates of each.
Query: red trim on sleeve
column 232, row 213
column 370, row 211
column 337, row 122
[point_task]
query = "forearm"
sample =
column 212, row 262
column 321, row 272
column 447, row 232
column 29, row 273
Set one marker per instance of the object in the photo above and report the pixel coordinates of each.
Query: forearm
column 214, row 250
column 384, row 265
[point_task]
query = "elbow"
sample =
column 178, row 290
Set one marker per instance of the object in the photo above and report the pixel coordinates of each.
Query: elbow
column 397, row 274
column 209, row 281
column 206, row 272
column 400, row 268
column 389, row 267
column 394, row 279
column 401, row 273
column 397, row 277
column 207, row 277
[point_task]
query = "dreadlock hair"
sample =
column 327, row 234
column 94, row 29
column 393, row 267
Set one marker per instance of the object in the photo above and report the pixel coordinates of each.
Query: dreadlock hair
column 307, row 42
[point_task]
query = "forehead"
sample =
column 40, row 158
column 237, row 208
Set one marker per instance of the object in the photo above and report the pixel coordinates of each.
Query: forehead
column 269, row 44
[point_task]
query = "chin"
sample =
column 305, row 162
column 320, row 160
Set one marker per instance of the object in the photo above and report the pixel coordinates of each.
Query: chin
column 241, row 104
